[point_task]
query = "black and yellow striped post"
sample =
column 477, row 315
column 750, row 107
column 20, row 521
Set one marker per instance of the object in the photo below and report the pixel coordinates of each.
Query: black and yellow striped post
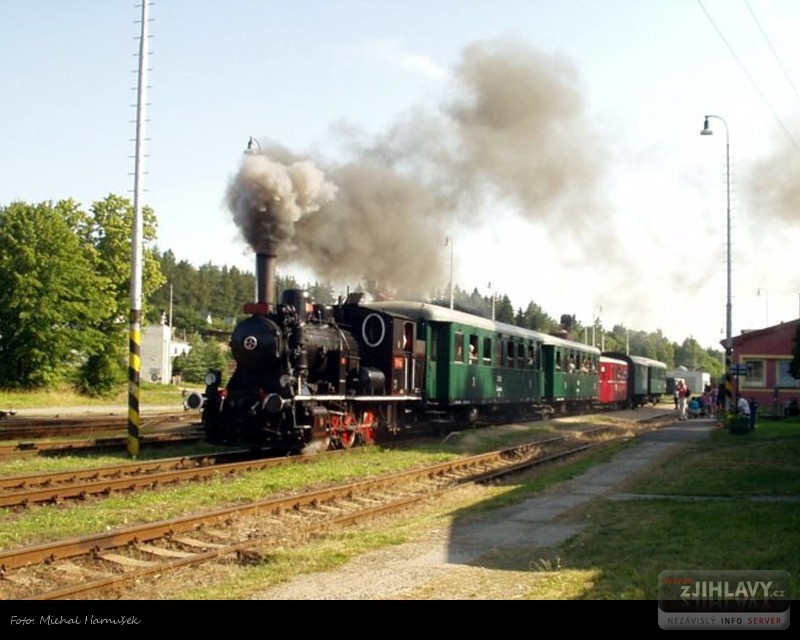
column 134, row 372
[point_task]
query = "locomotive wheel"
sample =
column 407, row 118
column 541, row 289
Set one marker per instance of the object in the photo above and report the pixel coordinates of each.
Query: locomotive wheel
column 347, row 438
column 368, row 435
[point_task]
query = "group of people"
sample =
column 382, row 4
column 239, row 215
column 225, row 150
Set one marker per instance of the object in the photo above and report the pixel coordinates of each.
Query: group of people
column 706, row 405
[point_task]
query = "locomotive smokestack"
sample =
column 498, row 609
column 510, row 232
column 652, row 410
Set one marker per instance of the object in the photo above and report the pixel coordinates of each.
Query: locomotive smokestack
column 265, row 278
column 265, row 284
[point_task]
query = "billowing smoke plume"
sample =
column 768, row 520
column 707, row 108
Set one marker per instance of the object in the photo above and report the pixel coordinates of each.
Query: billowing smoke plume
column 269, row 198
column 772, row 186
column 515, row 133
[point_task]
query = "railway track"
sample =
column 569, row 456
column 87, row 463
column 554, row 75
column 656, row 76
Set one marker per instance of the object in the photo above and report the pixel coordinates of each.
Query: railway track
column 106, row 564
column 40, row 436
column 47, row 447
column 24, row 490
column 19, row 428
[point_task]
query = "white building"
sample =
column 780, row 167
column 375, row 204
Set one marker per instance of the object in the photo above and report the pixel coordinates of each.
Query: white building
column 157, row 351
column 695, row 380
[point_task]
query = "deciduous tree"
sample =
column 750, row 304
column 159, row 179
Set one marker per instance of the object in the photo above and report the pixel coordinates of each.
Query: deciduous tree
column 52, row 299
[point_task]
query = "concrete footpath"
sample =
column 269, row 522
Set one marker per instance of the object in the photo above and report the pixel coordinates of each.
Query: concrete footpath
column 534, row 521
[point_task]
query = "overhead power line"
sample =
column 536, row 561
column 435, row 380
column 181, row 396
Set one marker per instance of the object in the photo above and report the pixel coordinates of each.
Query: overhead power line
column 750, row 78
column 774, row 53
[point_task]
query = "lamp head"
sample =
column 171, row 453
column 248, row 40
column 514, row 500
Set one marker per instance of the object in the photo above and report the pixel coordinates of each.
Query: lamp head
column 706, row 129
column 250, row 143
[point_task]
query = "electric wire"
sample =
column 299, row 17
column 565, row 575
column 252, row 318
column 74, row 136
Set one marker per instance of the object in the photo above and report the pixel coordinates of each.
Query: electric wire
column 750, row 78
column 774, row 53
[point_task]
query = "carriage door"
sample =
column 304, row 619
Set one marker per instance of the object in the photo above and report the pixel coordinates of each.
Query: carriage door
column 404, row 370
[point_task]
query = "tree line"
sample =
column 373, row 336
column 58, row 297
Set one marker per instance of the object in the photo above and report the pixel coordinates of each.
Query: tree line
column 65, row 301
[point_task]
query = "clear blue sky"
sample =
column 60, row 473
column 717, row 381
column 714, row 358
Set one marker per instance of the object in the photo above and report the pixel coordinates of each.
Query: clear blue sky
column 596, row 194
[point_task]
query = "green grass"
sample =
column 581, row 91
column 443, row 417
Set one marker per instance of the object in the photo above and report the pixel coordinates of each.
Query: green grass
column 625, row 545
column 38, row 523
column 79, row 459
column 149, row 395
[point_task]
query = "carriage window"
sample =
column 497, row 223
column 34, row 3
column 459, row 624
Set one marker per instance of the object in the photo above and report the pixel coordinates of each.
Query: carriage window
column 510, row 353
column 532, row 356
column 459, row 356
column 434, row 346
column 487, row 350
column 473, row 349
column 521, row 355
column 558, row 361
column 571, row 363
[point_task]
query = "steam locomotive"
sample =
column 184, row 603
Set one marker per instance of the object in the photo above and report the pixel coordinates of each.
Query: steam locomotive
column 337, row 375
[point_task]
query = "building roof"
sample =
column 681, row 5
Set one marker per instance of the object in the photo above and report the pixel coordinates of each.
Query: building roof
column 747, row 336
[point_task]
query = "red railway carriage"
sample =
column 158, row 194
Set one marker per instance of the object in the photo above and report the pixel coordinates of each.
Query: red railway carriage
column 613, row 382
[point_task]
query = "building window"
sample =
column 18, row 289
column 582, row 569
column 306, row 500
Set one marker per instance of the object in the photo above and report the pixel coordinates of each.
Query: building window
column 782, row 376
column 756, row 374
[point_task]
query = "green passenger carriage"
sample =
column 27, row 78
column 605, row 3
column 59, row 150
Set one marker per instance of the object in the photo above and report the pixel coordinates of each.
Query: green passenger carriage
column 570, row 373
column 475, row 367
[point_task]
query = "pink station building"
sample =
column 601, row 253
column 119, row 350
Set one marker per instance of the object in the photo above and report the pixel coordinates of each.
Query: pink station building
column 764, row 356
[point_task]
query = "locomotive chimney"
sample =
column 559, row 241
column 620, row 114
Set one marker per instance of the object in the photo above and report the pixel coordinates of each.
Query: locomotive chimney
column 265, row 284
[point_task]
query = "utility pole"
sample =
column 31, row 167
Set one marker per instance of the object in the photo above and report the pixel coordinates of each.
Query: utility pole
column 135, row 331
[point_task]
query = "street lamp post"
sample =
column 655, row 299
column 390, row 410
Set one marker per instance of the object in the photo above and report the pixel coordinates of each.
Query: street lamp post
column 728, row 334
column 596, row 311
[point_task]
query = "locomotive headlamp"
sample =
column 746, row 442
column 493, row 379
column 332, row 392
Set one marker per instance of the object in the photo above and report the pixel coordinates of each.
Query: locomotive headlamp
column 211, row 378
column 193, row 401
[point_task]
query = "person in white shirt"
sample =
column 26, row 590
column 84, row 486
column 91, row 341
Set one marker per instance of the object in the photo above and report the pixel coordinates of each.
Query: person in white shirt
column 744, row 406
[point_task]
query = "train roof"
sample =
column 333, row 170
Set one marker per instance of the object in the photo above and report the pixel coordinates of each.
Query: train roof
column 606, row 358
column 434, row 313
column 641, row 360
